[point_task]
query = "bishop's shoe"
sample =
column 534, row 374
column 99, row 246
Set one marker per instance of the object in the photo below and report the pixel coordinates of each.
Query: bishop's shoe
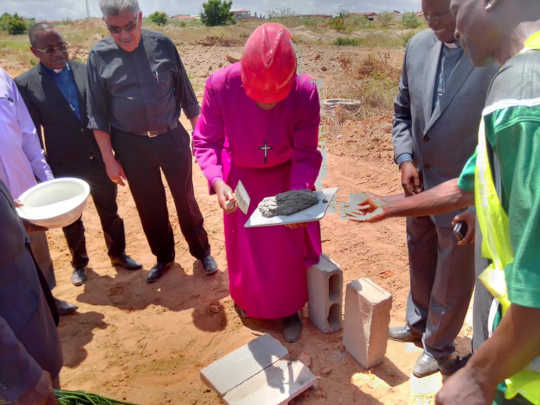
column 292, row 328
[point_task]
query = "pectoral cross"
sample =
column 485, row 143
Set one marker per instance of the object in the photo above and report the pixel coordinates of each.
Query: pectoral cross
column 265, row 148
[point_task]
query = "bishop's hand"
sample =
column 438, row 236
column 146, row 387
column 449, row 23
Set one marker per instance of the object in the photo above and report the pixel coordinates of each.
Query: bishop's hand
column 225, row 196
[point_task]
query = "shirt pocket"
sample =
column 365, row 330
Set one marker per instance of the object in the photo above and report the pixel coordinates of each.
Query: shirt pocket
column 164, row 79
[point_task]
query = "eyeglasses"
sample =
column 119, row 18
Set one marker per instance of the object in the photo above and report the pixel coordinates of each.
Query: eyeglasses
column 129, row 27
column 50, row 50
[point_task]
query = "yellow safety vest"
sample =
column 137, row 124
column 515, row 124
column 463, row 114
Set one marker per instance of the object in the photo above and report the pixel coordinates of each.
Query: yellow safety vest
column 497, row 247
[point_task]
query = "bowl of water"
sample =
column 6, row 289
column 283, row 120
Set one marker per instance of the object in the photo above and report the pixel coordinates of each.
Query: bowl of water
column 55, row 203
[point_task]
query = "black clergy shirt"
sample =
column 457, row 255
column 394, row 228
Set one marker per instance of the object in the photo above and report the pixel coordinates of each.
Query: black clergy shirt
column 138, row 91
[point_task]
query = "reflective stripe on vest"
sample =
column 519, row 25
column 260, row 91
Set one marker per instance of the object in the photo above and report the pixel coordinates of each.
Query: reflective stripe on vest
column 496, row 246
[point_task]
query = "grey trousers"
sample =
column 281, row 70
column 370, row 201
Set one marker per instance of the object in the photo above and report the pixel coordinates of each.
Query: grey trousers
column 40, row 250
column 442, row 281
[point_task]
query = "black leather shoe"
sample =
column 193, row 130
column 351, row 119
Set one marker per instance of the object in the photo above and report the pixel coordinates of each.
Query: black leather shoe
column 292, row 328
column 64, row 307
column 209, row 265
column 425, row 365
column 157, row 271
column 240, row 312
column 126, row 262
column 78, row 277
column 453, row 363
column 404, row 334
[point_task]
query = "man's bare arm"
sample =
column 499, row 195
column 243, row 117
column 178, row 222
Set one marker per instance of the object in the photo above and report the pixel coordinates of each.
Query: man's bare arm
column 514, row 344
column 445, row 197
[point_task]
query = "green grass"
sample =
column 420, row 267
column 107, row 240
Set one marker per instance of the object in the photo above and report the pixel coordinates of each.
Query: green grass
column 15, row 43
column 344, row 41
column 378, row 39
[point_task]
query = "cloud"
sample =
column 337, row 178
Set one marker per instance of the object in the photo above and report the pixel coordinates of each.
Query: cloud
column 75, row 9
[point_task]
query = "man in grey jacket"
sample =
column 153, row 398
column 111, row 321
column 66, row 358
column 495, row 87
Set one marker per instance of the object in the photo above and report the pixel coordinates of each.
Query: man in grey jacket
column 30, row 354
column 437, row 112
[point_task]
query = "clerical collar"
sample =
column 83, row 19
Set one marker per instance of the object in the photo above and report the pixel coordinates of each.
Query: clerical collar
column 55, row 71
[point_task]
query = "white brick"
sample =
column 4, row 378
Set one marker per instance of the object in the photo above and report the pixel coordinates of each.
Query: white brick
column 240, row 365
column 277, row 384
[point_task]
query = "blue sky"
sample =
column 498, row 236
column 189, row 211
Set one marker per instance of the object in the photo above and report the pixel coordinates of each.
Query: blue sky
column 74, row 9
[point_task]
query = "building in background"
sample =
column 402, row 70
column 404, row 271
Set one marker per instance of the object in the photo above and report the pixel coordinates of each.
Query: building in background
column 240, row 15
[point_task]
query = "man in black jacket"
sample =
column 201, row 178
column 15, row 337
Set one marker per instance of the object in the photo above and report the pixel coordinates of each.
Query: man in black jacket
column 55, row 94
column 30, row 352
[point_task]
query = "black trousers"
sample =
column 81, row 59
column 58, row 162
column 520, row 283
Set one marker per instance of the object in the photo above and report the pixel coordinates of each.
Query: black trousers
column 103, row 192
column 142, row 159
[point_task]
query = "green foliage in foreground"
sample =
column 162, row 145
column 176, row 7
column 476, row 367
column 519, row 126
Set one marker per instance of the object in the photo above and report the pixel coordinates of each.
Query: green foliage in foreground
column 83, row 398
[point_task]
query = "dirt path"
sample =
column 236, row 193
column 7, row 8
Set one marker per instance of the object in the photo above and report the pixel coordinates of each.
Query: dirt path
column 147, row 343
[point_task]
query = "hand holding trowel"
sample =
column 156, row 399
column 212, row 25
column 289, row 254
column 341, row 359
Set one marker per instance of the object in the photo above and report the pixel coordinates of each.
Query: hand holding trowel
column 228, row 200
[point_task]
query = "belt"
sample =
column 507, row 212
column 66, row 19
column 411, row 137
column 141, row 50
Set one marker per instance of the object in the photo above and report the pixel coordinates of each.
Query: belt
column 150, row 133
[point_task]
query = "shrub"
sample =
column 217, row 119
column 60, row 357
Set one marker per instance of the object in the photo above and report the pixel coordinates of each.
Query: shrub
column 158, row 18
column 410, row 20
column 357, row 22
column 16, row 25
column 280, row 13
column 4, row 21
column 378, row 80
column 345, row 41
column 217, row 12
column 385, row 19
column 338, row 23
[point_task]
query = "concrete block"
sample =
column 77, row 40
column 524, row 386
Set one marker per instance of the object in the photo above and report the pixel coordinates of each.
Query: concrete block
column 367, row 316
column 325, row 289
column 240, row 365
column 277, row 384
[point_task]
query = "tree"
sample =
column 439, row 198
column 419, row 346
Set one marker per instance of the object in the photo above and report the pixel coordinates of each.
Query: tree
column 158, row 18
column 217, row 12
column 16, row 25
column 4, row 21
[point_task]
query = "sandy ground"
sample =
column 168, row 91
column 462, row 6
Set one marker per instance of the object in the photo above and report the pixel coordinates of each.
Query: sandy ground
column 147, row 343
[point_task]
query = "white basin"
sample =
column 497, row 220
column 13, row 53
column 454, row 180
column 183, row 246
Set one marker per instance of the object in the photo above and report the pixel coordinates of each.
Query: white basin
column 54, row 203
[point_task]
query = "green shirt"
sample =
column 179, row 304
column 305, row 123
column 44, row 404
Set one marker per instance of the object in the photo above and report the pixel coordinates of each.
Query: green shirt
column 512, row 123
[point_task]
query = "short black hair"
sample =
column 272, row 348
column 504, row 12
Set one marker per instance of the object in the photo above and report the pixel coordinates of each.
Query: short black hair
column 36, row 28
